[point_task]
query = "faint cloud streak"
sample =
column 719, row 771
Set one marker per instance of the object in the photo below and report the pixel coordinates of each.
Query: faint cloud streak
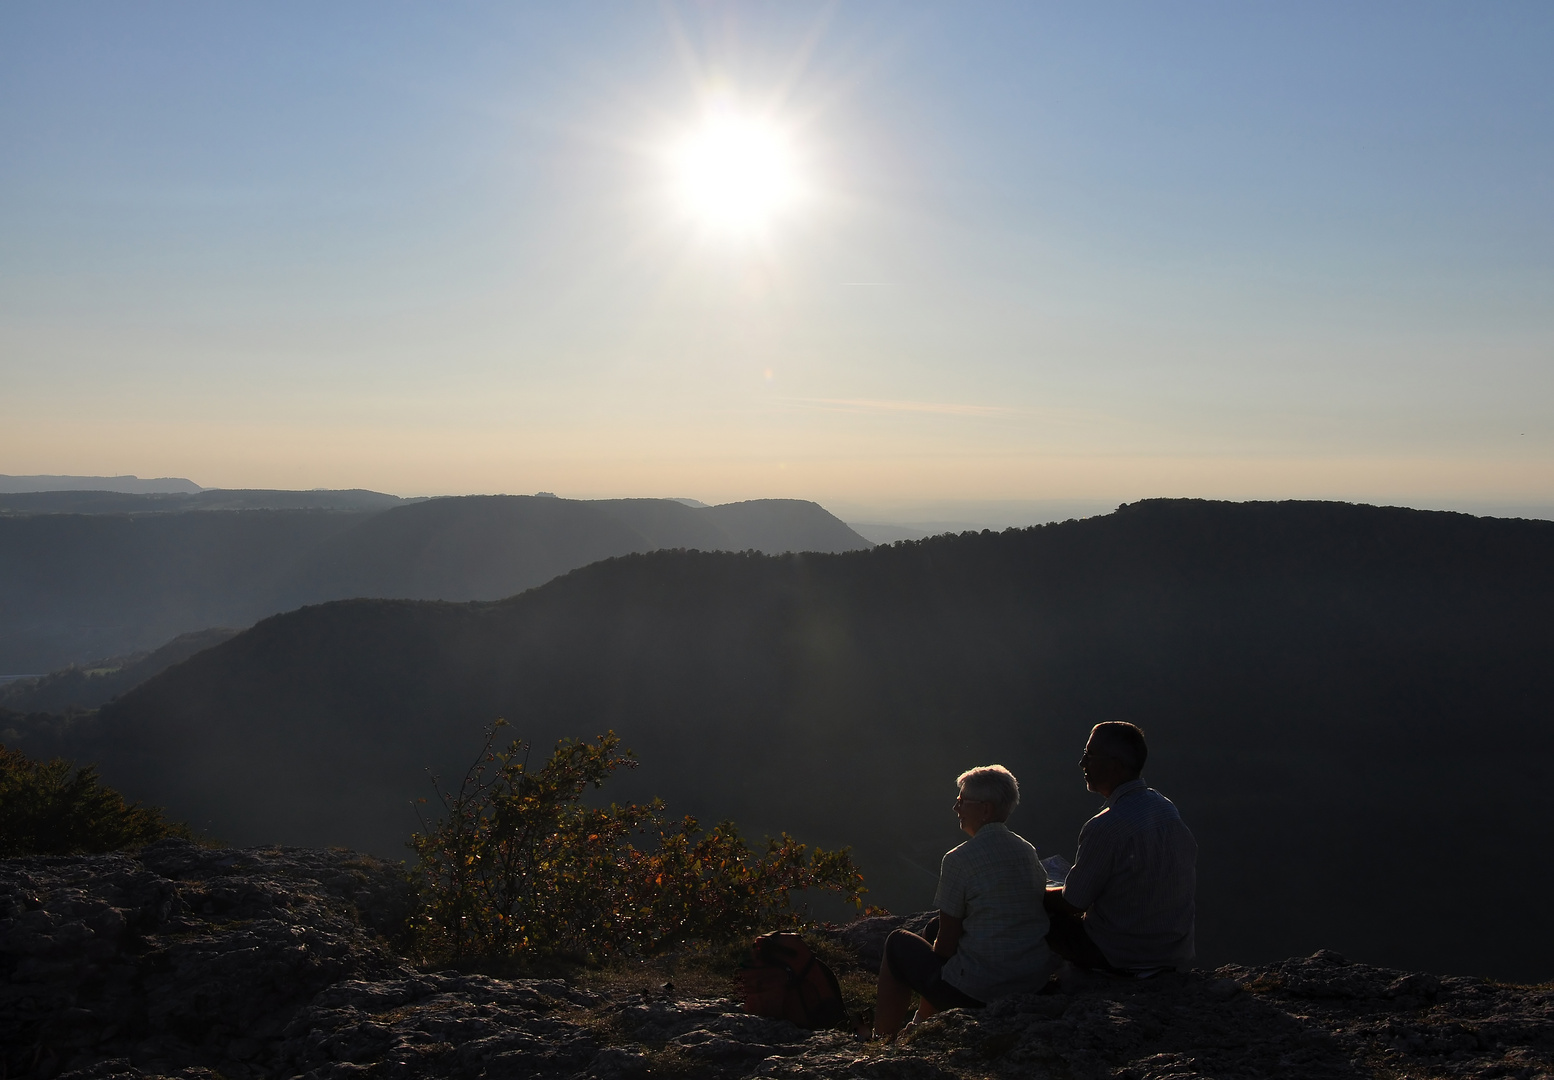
column 873, row 405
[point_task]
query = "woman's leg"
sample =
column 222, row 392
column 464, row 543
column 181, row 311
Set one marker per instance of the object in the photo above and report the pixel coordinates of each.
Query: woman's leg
column 890, row 1003
column 925, row 1008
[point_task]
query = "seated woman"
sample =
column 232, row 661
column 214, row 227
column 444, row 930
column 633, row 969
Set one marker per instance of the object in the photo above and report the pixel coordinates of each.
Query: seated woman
column 992, row 926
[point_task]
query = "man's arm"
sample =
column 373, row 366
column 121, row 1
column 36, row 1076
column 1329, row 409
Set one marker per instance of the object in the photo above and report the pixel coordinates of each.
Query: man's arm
column 1092, row 868
column 948, row 939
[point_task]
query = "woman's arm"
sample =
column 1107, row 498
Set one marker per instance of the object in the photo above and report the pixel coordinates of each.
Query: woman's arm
column 948, row 938
column 1057, row 904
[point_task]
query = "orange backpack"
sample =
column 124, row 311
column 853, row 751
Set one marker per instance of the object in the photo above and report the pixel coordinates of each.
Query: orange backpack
column 783, row 980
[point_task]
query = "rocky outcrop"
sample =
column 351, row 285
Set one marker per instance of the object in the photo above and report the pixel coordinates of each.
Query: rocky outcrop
column 270, row 962
column 182, row 955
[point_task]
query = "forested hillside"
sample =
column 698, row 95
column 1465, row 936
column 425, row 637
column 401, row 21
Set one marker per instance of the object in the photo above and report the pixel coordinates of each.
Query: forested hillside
column 81, row 578
column 1350, row 705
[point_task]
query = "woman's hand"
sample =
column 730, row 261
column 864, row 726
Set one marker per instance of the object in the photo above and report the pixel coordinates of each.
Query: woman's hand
column 948, row 939
column 1057, row 904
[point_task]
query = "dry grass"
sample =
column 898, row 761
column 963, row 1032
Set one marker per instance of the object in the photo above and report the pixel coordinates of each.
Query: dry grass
column 710, row 971
column 702, row 972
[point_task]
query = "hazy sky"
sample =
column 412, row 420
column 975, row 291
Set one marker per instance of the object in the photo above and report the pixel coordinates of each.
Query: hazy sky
column 1033, row 251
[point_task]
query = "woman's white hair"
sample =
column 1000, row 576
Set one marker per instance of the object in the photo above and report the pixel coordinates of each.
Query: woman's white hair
column 991, row 784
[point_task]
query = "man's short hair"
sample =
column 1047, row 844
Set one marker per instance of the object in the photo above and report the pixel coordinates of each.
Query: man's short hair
column 991, row 784
column 1123, row 743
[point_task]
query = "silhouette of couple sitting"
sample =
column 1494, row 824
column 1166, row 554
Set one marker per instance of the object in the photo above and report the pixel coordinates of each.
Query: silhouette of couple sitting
column 1125, row 907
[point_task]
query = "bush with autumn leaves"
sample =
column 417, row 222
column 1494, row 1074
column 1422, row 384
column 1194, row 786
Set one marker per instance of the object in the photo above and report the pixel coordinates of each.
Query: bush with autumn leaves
column 520, row 869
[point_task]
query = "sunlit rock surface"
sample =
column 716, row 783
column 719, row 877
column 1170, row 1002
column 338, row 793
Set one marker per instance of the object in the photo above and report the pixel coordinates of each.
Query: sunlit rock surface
column 266, row 963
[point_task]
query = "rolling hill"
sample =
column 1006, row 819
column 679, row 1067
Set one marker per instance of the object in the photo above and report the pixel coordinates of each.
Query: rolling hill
column 78, row 585
column 1351, row 705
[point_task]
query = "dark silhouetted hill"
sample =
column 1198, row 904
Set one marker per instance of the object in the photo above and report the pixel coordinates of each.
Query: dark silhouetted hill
column 80, row 578
column 1351, row 706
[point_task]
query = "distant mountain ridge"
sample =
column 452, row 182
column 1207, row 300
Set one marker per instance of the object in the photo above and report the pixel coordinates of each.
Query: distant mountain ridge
column 121, row 502
column 1349, row 704
column 482, row 547
column 77, row 585
column 96, row 483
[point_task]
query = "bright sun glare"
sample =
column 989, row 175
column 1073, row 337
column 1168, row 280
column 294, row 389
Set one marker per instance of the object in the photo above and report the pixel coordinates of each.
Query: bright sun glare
column 734, row 173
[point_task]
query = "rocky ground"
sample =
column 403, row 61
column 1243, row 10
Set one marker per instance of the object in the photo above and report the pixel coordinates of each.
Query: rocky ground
column 201, row 963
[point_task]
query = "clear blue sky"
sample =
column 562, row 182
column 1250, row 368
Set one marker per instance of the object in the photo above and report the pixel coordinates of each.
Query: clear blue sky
column 1044, row 251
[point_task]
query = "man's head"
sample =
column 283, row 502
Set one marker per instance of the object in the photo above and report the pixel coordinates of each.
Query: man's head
column 987, row 793
column 1114, row 755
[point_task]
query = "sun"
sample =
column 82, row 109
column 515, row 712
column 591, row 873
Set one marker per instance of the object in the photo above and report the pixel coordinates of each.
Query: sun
column 734, row 173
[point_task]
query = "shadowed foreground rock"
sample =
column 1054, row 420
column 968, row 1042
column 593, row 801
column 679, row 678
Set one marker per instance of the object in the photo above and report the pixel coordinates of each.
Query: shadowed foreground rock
column 265, row 963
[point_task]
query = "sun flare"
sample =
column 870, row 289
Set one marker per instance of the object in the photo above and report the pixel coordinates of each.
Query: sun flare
column 735, row 173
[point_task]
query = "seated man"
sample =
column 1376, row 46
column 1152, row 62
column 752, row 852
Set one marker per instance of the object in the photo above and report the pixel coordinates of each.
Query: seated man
column 991, row 930
column 1127, row 905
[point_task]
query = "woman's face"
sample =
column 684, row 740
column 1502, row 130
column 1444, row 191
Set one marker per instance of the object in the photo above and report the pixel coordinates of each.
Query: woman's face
column 972, row 813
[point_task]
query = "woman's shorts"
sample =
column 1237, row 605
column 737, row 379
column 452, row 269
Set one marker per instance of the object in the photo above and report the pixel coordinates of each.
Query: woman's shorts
column 913, row 961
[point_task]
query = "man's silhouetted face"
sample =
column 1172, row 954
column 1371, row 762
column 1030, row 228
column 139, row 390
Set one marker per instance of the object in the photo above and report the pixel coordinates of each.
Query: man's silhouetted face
column 1103, row 772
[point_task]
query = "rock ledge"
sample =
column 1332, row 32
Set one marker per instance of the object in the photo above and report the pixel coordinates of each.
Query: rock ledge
column 262, row 963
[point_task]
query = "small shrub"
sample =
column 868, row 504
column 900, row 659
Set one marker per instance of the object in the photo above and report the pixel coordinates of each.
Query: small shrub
column 518, row 869
column 49, row 808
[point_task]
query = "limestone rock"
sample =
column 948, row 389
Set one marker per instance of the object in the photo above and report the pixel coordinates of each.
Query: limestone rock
column 240, row 965
column 866, row 936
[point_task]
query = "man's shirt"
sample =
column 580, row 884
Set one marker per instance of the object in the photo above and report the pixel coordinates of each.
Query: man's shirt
column 994, row 883
column 1135, row 875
